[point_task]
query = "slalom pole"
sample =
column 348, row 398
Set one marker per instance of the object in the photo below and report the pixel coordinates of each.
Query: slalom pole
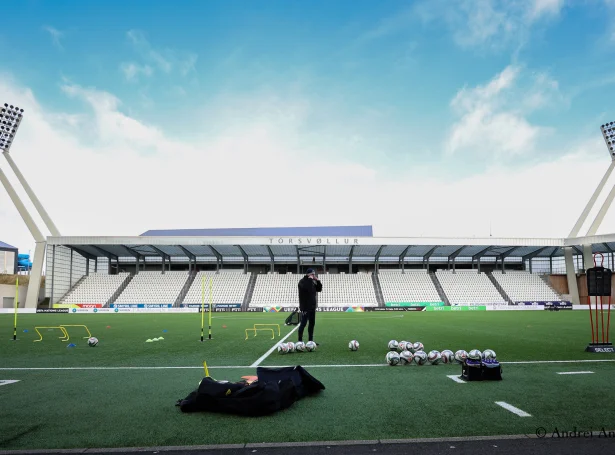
column 202, row 306
column 210, row 305
column 16, row 304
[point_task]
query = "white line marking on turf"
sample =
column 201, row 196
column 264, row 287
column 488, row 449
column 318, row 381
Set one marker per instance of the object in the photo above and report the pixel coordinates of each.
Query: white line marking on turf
column 455, row 378
column 266, row 354
column 222, row 367
column 575, row 372
column 512, row 409
column 8, row 381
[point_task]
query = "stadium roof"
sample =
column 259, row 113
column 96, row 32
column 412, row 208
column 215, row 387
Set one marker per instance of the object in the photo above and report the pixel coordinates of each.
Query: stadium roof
column 6, row 246
column 323, row 231
column 291, row 247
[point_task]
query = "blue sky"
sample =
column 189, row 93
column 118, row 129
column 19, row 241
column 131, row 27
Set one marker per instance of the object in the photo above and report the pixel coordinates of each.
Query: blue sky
column 379, row 95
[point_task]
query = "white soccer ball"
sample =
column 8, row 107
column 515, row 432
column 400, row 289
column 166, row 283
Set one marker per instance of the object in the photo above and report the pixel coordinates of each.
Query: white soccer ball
column 420, row 357
column 392, row 358
column 418, row 346
column 353, row 345
column 488, row 354
column 92, row 341
column 406, row 357
column 434, row 357
column 299, row 346
column 475, row 354
column 291, row 346
column 402, row 346
column 393, row 344
column 310, row 346
column 282, row 348
column 447, row 356
column 410, row 347
column 461, row 356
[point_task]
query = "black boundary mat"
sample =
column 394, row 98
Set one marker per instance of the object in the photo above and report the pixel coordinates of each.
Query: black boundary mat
column 593, row 444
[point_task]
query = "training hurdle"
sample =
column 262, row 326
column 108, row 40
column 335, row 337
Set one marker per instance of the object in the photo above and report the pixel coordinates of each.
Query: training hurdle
column 62, row 338
column 265, row 325
column 77, row 325
column 255, row 330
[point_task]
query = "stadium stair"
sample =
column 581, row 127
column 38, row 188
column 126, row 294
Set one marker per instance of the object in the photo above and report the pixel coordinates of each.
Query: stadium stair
column 545, row 278
column 119, row 290
column 249, row 291
column 439, row 288
column 71, row 290
column 185, row 289
column 378, row 290
column 499, row 288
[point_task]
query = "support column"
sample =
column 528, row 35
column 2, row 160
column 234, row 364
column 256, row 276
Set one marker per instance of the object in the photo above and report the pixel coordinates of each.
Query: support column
column 70, row 273
column 34, row 286
column 573, row 288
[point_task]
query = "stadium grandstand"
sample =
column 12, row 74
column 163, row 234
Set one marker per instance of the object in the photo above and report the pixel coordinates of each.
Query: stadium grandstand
column 258, row 269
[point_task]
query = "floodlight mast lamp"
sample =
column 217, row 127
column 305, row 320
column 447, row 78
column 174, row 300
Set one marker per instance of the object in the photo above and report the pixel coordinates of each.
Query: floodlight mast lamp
column 10, row 119
column 608, row 133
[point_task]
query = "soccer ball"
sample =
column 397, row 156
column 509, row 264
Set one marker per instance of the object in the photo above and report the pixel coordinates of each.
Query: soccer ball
column 405, row 357
column 93, row 341
column 488, row 354
column 291, row 346
column 461, row 356
column 434, row 357
column 392, row 358
column 418, row 346
column 475, row 354
column 402, row 346
column 353, row 345
column 410, row 347
column 447, row 356
column 310, row 346
column 282, row 348
column 420, row 357
column 393, row 344
column 299, row 346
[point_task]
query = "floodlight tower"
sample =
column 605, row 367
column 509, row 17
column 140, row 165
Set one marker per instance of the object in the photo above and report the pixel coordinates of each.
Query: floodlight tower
column 10, row 120
column 608, row 133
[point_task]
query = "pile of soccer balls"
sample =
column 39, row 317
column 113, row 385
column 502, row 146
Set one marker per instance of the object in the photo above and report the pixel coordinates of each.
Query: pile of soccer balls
column 406, row 353
column 300, row 346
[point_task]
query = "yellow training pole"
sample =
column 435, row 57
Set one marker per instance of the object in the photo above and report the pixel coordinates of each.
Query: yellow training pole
column 16, row 304
column 202, row 307
column 210, row 305
column 205, row 368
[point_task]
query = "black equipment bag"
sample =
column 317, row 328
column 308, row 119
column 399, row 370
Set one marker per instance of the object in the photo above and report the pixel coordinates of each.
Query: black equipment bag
column 294, row 318
column 276, row 389
column 477, row 370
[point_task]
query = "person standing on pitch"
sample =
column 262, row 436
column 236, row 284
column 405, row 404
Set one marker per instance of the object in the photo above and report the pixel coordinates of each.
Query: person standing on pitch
column 309, row 287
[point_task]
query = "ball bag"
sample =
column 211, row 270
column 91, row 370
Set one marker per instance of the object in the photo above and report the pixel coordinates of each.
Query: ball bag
column 481, row 370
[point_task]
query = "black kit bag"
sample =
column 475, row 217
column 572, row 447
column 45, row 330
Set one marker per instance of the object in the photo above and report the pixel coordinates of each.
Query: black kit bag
column 492, row 370
column 294, row 318
column 471, row 370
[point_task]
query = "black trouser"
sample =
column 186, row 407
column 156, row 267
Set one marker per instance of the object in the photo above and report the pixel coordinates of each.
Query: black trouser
column 307, row 316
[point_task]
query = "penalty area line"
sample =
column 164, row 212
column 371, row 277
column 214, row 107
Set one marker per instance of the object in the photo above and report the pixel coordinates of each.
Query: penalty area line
column 511, row 408
column 455, row 378
column 266, row 354
column 575, row 372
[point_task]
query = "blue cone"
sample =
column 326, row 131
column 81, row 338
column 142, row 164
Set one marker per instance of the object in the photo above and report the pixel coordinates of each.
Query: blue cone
column 71, row 345
column 164, row 331
column 25, row 330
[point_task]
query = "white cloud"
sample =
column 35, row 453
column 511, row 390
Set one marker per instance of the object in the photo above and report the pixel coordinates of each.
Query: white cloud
column 259, row 169
column 132, row 70
column 55, row 36
column 166, row 60
column 491, row 119
column 489, row 23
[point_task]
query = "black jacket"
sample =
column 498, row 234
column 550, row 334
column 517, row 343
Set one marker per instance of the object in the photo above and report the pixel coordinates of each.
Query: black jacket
column 308, row 289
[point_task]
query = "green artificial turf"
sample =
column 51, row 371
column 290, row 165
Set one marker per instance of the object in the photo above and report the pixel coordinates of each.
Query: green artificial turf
column 69, row 408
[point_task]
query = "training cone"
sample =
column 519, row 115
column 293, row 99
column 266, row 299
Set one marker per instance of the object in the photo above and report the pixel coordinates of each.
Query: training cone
column 160, row 339
column 164, row 331
column 149, row 341
column 72, row 345
column 108, row 326
column 224, row 327
column 25, row 330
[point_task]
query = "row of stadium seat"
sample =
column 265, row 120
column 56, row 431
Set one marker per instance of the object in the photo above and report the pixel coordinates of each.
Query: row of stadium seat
column 461, row 288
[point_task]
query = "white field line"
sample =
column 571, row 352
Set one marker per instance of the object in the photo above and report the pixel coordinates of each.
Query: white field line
column 575, row 372
column 456, row 378
column 324, row 318
column 222, row 367
column 8, row 381
column 273, row 348
column 512, row 409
